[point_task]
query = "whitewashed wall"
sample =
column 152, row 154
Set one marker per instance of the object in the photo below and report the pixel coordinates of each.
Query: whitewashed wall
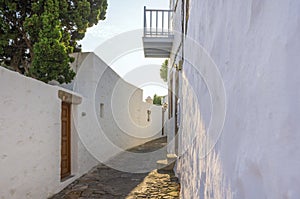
column 30, row 139
column 124, row 119
column 30, row 127
column 171, row 123
column 255, row 45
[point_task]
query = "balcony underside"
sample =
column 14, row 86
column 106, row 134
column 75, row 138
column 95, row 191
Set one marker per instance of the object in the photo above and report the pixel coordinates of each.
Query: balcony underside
column 158, row 47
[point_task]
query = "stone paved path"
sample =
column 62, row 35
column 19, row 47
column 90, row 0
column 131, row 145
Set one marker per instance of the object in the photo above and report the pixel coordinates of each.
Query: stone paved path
column 104, row 182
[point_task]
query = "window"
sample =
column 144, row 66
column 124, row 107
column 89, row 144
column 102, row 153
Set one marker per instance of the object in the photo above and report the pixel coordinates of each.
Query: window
column 101, row 110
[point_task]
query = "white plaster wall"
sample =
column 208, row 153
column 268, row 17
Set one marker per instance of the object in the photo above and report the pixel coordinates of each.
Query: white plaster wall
column 171, row 135
column 255, row 45
column 166, row 116
column 171, row 121
column 30, row 139
column 124, row 123
column 30, row 127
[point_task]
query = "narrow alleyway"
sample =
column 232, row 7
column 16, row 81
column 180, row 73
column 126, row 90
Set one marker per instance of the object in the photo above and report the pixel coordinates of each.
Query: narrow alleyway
column 104, row 182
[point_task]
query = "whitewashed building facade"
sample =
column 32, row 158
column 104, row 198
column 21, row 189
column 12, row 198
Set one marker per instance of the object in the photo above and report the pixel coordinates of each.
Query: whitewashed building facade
column 234, row 79
column 50, row 136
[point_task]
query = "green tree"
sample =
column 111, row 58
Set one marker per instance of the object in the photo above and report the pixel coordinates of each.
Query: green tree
column 156, row 100
column 164, row 71
column 51, row 60
column 36, row 37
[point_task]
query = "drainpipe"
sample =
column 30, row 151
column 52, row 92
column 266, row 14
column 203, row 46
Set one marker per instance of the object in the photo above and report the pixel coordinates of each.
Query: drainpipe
column 182, row 30
column 145, row 21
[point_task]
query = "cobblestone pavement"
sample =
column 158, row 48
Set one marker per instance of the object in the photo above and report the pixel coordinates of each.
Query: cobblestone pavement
column 104, row 182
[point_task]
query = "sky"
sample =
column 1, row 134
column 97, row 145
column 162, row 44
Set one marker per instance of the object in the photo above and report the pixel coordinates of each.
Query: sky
column 122, row 17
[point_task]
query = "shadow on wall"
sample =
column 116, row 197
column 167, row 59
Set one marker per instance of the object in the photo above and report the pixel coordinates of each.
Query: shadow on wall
column 116, row 116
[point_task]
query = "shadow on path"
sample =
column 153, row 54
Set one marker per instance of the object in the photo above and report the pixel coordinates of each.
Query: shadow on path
column 107, row 183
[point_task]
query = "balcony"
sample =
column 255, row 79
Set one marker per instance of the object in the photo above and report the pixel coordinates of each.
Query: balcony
column 158, row 33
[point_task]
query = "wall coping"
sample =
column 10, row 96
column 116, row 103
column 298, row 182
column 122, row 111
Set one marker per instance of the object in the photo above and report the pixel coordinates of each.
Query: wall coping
column 69, row 96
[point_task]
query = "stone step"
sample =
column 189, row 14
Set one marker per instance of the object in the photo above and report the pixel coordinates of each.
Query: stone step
column 167, row 164
column 171, row 157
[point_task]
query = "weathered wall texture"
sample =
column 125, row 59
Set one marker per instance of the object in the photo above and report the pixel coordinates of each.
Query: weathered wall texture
column 255, row 45
column 30, row 127
column 30, row 138
column 122, row 122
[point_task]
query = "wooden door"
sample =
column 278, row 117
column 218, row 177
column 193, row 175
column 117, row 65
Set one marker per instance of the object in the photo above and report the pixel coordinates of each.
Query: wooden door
column 65, row 140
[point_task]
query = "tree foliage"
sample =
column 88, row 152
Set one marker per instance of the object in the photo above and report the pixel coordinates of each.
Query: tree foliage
column 36, row 37
column 156, row 100
column 164, row 71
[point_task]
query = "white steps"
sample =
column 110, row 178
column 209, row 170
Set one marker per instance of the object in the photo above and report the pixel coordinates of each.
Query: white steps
column 167, row 164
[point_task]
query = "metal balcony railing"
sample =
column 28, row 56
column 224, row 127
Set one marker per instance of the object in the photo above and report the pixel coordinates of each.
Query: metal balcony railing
column 158, row 33
column 158, row 23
